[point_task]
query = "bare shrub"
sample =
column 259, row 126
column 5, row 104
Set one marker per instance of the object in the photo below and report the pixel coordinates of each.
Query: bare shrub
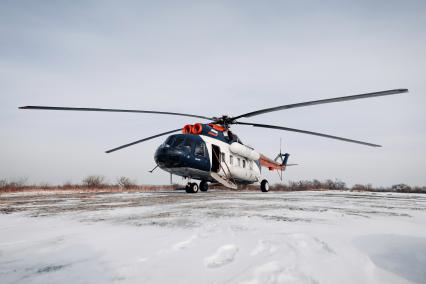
column 401, row 188
column 300, row 185
column 359, row 187
column 68, row 185
column 17, row 183
column 316, row 184
column 125, row 182
column 45, row 185
column 14, row 185
column 337, row 185
column 418, row 189
column 279, row 187
column 94, row 181
column 176, row 186
column 310, row 185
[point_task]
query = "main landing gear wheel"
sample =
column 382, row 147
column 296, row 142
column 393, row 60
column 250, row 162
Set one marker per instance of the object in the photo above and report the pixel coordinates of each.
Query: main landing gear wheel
column 264, row 186
column 204, row 186
column 191, row 188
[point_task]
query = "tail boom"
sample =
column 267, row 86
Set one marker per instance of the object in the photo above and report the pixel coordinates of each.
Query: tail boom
column 273, row 165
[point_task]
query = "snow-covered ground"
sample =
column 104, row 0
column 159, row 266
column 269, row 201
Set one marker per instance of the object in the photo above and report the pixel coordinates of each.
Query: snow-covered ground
column 213, row 237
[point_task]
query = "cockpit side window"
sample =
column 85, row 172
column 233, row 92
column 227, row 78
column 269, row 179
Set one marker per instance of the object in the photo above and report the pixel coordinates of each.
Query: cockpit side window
column 169, row 141
column 200, row 149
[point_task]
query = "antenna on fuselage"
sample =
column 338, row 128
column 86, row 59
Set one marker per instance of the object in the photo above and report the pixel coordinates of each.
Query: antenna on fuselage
column 151, row 171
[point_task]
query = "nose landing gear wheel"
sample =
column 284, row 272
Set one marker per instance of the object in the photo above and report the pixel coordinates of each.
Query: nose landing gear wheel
column 204, row 186
column 264, row 186
column 191, row 188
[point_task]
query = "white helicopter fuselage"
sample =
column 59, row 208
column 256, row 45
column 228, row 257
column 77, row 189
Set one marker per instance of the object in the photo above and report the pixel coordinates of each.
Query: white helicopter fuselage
column 239, row 167
column 217, row 159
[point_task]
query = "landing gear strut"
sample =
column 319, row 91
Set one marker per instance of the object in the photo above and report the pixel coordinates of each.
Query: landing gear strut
column 264, row 186
column 204, row 186
column 191, row 187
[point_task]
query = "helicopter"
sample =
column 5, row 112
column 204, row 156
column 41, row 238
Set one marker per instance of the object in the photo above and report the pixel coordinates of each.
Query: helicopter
column 212, row 153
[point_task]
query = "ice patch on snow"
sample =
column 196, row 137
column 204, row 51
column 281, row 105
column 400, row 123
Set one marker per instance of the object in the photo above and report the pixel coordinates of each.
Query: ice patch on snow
column 402, row 255
column 223, row 255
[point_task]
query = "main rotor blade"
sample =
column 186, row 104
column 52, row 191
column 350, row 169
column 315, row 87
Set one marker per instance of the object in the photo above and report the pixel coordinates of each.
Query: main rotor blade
column 112, row 110
column 142, row 140
column 325, row 101
column 309, row 132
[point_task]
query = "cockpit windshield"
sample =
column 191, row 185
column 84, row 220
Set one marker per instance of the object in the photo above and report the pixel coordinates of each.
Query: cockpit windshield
column 234, row 138
column 178, row 141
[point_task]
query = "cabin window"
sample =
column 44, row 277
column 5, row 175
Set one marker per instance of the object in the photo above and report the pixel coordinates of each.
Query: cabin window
column 251, row 165
column 200, row 149
column 239, row 162
column 244, row 163
column 231, row 159
column 223, row 157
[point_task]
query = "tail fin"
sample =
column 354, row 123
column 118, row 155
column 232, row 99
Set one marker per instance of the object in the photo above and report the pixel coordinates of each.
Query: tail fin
column 286, row 156
column 281, row 155
column 283, row 158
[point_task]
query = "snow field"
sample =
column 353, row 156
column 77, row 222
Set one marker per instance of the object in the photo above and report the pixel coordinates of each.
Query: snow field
column 215, row 237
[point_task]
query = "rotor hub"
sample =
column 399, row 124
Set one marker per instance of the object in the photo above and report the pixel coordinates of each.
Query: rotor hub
column 224, row 120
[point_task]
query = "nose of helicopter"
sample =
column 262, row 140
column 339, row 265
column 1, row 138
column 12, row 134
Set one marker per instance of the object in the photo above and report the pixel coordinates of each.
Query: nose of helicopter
column 170, row 157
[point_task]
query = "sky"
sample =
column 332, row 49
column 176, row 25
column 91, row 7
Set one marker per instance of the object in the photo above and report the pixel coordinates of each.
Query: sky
column 212, row 58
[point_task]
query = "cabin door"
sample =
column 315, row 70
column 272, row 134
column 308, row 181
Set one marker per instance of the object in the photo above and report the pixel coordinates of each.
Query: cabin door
column 215, row 158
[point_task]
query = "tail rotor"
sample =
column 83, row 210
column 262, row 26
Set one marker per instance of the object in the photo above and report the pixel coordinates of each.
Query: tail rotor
column 283, row 159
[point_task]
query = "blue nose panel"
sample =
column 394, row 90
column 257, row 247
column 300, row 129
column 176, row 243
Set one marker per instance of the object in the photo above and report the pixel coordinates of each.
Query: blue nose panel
column 183, row 150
